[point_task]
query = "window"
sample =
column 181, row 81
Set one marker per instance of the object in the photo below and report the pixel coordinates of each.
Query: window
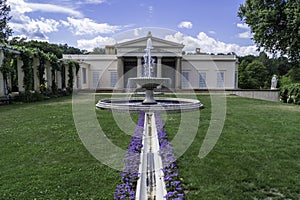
column 220, row 79
column 84, row 75
column 96, row 79
column 185, row 80
column 113, row 79
column 202, row 80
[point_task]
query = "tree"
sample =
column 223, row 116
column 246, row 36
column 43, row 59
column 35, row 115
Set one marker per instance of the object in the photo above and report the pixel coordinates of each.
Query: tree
column 252, row 74
column 98, row 50
column 57, row 50
column 275, row 25
column 257, row 75
column 5, row 30
column 294, row 74
column 243, row 75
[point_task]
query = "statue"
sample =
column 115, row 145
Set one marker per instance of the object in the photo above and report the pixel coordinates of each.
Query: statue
column 274, row 83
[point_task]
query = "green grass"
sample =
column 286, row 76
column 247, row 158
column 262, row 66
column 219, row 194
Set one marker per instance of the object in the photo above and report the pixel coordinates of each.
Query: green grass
column 256, row 157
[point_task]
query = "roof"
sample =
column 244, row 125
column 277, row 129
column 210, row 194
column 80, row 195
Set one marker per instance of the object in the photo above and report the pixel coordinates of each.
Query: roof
column 141, row 42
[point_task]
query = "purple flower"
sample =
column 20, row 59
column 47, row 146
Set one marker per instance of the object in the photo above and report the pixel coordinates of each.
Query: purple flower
column 173, row 184
column 126, row 190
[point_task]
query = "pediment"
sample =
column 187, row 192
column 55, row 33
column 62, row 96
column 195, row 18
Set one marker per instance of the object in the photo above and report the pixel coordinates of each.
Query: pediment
column 142, row 42
column 137, row 47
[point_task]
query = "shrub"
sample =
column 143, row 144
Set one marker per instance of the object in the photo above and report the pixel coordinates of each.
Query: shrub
column 290, row 93
column 30, row 96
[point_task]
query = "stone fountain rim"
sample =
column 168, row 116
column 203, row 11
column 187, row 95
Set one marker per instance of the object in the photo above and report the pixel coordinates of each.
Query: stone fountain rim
column 184, row 105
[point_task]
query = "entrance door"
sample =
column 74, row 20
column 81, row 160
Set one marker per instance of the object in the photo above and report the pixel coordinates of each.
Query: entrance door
column 168, row 70
column 130, row 69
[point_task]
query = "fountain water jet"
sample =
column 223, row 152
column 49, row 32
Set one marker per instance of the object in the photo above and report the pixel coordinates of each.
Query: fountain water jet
column 147, row 80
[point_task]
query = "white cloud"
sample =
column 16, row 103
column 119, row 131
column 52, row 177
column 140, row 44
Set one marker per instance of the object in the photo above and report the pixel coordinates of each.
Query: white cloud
column 137, row 32
column 150, row 9
column 87, row 26
column 242, row 26
column 185, row 24
column 210, row 45
column 247, row 34
column 35, row 29
column 22, row 7
column 212, row 32
column 91, row 2
column 96, row 42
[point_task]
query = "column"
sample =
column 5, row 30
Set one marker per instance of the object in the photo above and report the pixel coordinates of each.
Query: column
column 159, row 67
column 1, row 76
column 66, row 75
column 139, row 67
column 75, row 84
column 20, row 75
column 36, row 81
column 1, row 85
column 120, row 70
column 58, row 79
column 178, row 73
column 48, row 76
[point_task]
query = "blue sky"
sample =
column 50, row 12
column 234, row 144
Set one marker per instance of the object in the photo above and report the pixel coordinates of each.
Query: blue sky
column 211, row 25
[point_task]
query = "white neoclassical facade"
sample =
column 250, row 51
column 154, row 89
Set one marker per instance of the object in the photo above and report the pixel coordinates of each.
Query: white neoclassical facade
column 125, row 60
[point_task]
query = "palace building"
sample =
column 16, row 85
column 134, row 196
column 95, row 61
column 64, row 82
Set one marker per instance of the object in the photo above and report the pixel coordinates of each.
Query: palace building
column 124, row 60
column 110, row 71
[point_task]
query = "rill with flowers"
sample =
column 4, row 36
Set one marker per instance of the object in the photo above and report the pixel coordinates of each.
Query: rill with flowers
column 130, row 174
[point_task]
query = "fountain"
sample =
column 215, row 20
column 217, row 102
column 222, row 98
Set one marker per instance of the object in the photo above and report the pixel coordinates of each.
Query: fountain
column 150, row 184
column 149, row 83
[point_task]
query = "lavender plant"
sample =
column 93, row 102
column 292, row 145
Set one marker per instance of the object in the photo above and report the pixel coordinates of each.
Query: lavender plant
column 126, row 190
column 170, row 169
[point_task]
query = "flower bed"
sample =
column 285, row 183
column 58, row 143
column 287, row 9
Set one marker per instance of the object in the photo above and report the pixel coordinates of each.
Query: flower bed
column 126, row 190
column 170, row 169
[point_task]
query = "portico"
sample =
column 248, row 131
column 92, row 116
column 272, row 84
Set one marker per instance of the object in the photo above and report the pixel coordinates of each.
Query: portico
column 167, row 56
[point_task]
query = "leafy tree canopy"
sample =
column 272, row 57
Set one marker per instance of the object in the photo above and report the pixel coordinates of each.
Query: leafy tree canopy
column 5, row 30
column 98, row 50
column 275, row 25
column 56, row 49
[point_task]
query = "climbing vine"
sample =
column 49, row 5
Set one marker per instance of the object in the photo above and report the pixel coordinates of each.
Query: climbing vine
column 9, row 69
column 6, row 66
column 41, row 70
column 27, row 58
column 55, row 66
column 71, row 65
column 70, row 76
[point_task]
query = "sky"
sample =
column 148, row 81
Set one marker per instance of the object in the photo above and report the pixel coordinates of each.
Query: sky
column 213, row 26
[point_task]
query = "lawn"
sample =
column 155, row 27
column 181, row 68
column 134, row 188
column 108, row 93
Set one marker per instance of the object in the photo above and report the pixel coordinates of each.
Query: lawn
column 256, row 157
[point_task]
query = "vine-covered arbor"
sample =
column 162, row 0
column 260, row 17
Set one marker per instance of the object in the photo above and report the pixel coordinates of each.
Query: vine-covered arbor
column 30, row 70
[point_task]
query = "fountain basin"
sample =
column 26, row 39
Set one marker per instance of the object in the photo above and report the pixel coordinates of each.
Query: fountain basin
column 149, row 83
column 169, row 105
